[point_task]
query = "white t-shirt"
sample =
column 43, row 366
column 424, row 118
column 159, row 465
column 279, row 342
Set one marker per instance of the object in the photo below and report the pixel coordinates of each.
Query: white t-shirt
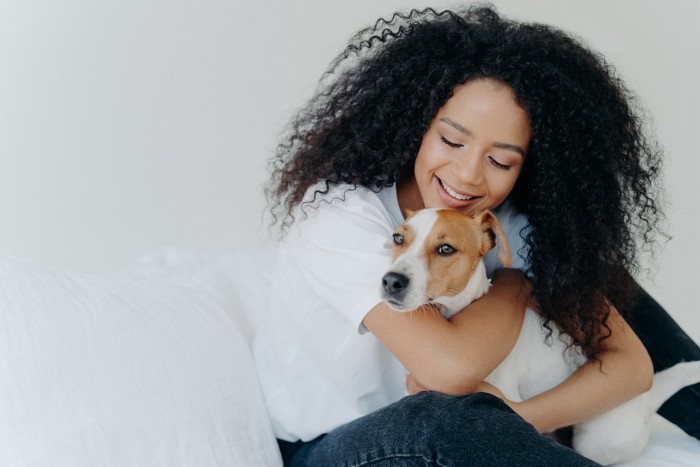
column 318, row 367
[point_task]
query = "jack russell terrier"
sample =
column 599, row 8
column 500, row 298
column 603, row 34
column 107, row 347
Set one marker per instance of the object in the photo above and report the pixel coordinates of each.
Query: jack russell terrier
column 437, row 259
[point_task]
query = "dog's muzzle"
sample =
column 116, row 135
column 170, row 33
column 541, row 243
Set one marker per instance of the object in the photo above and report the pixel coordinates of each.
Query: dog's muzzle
column 394, row 287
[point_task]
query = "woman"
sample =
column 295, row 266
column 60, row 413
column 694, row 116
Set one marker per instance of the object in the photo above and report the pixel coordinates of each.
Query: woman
column 468, row 111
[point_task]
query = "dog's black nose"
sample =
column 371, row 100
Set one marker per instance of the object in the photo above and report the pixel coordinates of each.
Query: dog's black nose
column 394, row 283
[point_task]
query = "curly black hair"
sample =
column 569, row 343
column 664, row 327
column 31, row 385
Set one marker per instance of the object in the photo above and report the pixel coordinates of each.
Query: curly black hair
column 589, row 185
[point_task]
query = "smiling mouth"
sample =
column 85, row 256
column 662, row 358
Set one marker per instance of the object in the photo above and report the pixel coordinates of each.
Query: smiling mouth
column 454, row 194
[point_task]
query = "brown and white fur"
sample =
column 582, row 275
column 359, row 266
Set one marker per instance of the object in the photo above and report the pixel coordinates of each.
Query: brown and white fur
column 437, row 259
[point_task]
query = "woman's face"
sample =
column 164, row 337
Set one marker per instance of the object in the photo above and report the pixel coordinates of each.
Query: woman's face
column 473, row 151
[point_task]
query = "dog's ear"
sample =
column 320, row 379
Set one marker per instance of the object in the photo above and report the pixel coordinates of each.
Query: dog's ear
column 493, row 236
column 408, row 213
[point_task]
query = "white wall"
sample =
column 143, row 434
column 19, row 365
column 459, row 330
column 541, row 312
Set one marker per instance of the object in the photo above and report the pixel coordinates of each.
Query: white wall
column 127, row 125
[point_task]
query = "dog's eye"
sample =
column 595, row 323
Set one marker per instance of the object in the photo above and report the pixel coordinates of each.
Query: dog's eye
column 445, row 249
column 398, row 239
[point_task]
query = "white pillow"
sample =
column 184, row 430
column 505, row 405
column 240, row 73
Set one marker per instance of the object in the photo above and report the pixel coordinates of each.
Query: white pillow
column 239, row 277
column 242, row 277
column 107, row 371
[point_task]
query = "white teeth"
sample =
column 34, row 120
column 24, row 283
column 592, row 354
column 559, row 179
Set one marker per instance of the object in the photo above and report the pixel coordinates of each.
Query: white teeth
column 454, row 194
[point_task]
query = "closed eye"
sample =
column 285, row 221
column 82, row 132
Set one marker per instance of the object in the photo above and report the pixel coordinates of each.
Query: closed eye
column 498, row 165
column 450, row 143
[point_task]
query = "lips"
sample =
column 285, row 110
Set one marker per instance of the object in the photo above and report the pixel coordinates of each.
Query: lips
column 454, row 198
column 453, row 193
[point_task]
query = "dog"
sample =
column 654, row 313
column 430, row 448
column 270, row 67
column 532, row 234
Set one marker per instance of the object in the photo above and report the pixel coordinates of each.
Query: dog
column 438, row 259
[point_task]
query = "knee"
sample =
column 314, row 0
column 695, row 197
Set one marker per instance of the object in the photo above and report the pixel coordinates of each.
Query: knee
column 438, row 402
column 477, row 426
column 445, row 416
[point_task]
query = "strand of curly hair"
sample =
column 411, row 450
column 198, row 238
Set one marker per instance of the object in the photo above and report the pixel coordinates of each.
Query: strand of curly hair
column 589, row 185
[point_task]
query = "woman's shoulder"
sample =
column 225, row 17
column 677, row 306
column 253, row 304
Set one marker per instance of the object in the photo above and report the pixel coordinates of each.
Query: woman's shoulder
column 323, row 194
column 345, row 206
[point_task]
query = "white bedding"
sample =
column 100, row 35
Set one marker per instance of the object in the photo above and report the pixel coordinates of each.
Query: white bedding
column 116, row 372
column 153, row 369
column 668, row 447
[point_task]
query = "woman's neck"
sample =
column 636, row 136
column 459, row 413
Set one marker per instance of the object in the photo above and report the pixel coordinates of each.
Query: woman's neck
column 409, row 195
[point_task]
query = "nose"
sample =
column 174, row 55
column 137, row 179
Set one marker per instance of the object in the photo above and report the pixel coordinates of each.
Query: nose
column 469, row 167
column 394, row 283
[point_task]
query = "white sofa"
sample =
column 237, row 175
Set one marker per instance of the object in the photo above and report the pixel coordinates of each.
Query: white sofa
column 152, row 367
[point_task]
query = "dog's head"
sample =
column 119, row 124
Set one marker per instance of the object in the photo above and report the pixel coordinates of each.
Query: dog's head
column 437, row 258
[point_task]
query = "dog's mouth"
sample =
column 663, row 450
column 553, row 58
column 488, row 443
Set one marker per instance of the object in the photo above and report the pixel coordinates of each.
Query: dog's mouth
column 396, row 305
column 401, row 305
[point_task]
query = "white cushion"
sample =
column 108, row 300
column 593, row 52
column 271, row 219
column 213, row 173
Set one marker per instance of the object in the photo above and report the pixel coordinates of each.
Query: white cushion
column 111, row 371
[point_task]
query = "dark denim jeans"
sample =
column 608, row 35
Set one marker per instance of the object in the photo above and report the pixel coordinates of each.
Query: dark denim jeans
column 433, row 429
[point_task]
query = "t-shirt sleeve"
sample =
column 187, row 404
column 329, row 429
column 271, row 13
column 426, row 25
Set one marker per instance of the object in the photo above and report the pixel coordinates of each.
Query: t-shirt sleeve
column 343, row 249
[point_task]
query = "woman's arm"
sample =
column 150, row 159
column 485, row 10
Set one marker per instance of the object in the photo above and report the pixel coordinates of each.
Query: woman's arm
column 454, row 356
column 624, row 371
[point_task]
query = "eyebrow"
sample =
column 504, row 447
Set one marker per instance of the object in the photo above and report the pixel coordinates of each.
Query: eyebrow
column 460, row 128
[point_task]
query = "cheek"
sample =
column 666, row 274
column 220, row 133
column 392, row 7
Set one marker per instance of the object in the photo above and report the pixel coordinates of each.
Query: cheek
column 509, row 183
column 421, row 168
column 501, row 185
column 430, row 157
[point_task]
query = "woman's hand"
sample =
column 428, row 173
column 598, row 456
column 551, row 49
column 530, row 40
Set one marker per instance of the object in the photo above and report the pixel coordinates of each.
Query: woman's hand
column 413, row 387
column 490, row 389
column 494, row 391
